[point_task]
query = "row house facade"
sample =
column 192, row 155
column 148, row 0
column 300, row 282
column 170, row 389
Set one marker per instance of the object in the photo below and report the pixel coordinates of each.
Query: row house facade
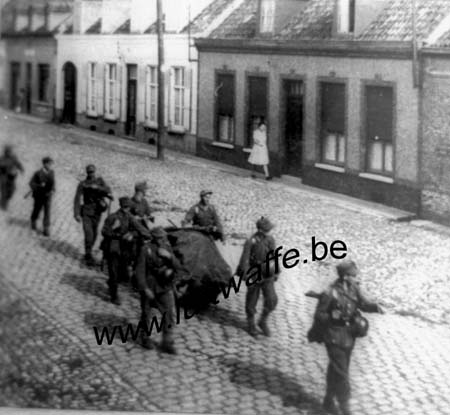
column 338, row 84
column 28, row 32
column 107, row 67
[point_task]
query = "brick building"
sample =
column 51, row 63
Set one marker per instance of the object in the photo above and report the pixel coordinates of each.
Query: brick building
column 335, row 82
column 107, row 67
column 28, row 31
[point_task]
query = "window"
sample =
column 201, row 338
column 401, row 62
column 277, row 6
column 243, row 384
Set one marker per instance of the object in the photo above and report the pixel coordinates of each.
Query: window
column 111, row 91
column 178, row 97
column 44, row 82
column 267, row 16
column 332, row 122
column 151, row 98
column 257, row 105
column 379, row 129
column 224, row 94
column 92, row 89
column 346, row 16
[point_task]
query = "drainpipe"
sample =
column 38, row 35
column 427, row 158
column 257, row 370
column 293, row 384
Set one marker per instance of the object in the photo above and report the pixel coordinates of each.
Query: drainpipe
column 415, row 63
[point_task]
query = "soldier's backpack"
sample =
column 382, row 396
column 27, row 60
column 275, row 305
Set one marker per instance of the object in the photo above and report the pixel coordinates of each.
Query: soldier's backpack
column 258, row 256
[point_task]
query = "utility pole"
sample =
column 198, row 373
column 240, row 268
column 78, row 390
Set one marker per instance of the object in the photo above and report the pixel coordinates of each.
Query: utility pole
column 161, row 129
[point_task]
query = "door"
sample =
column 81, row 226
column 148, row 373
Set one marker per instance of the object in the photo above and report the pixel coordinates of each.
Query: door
column 15, row 79
column 28, row 87
column 70, row 93
column 130, row 124
column 257, row 106
column 293, row 126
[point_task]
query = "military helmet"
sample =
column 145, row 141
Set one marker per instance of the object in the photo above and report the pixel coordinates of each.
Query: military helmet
column 90, row 168
column 47, row 160
column 124, row 202
column 141, row 186
column 360, row 326
column 205, row 192
column 264, row 224
column 346, row 267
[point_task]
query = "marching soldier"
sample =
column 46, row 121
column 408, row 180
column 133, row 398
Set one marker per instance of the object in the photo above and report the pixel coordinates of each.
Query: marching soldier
column 256, row 252
column 93, row 190
column 10, row 166
column 156, row 271
column 203, row 216
column 42, row 186
column 337, row 313
column 139, row 204
column 119, row 230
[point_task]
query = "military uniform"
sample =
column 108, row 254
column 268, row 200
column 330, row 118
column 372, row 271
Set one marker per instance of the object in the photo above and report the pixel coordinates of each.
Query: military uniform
column 92, row 191
column 42, row 185
column 336, row 312
column 205, row 217
column 119, row 230
column 254, row 255
column 9, row 167
column 156, row 270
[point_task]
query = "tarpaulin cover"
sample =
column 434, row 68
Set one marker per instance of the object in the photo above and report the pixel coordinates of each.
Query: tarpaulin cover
column 203, row 262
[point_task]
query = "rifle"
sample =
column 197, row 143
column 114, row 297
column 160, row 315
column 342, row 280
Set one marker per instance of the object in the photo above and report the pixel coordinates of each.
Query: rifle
column 313, row 294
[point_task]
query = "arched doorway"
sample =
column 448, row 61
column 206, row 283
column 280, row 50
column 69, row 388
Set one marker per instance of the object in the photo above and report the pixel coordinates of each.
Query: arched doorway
column 70, row 93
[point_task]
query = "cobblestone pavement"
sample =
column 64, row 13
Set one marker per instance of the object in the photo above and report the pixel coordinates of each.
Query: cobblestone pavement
column 49, row 301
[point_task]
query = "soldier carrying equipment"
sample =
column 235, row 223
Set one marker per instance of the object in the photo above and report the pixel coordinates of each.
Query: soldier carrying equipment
column 93, row 190
column 204, row 217
column 337, row 323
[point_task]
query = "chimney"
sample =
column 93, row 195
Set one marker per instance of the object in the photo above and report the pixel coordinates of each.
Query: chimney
column 143, row 14
column 114, row 14
column 352, row 17
column 85, row 14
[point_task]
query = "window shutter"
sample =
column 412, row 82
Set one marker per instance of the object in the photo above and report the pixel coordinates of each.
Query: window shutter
column 106, row 90
column 147, row 94
column 187, row 98
column 141, row 93
column 99, row 82
column 84, row 88
column 168, row 112
column 118, row 95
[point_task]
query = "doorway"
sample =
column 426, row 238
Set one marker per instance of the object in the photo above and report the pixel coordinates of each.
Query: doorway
column 15, row 79
column 28, row 86
column 293, row 126
column 70, row 89
column 130, row 124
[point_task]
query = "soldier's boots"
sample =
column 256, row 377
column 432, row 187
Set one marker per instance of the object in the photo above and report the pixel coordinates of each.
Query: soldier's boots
column 33, row 225
column 329, row 406
column 90, row 260
column 262, row 324
column 252, row 326
column 145, row 341
column 46, row 232
column 345, row 408
column 168, row 348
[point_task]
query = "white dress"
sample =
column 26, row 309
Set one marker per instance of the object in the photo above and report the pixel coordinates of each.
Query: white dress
column 259, row 154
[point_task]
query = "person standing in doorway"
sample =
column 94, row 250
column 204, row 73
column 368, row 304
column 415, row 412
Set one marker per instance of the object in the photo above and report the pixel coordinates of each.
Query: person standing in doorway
column 259, row 155
column 42, row 186
column 10, row 166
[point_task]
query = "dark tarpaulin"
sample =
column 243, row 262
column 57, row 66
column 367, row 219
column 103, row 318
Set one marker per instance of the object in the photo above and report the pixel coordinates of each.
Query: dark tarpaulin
column 206, row 270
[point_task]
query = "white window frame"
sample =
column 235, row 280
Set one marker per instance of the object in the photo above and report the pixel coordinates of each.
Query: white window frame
column 178, row 121
column 151, row 96
column 111, row 91
column 91, row 103
column 267, row 18
column 344, row 16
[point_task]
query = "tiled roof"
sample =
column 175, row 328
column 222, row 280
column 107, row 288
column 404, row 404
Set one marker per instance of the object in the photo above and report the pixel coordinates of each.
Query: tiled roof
column 207, row 16
column 314, row 22
column 95, row 29
column 240, row 24
column 124, row 28
column 394, row 23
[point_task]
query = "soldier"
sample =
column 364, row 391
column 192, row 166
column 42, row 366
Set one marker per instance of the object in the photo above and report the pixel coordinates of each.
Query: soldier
column 42, row 186
column 10, row 166
column 156, row 271
column 139, row 204
column 93, row 190
column 256, row 252
column 119, row 230
column 203, row 216
column 337, row 312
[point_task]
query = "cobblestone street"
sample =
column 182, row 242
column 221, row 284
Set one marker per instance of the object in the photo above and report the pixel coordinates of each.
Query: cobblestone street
column 49, row 301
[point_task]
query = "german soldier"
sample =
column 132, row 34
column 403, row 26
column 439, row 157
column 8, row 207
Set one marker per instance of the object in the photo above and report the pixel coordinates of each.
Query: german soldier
column 119, row 230
column 93, row 190
column 140, row 207
column 156, row 271
column 203, row 216
column 10, row 166
column 256, row 254
column 337, row 313
column 42, row 186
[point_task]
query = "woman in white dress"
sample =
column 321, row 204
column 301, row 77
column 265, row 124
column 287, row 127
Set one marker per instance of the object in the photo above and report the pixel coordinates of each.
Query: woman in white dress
column 259, row 155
